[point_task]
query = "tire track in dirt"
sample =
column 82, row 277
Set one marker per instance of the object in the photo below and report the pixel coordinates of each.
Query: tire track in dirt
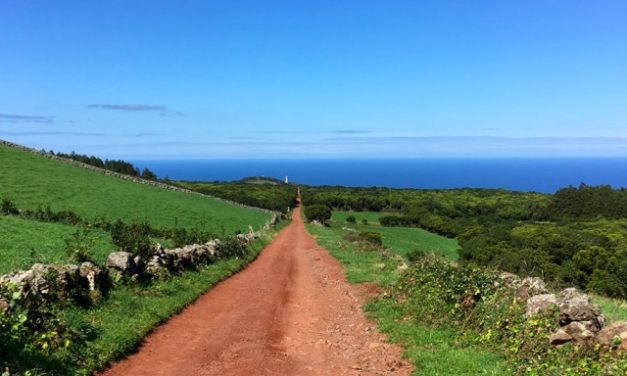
column 291, row 312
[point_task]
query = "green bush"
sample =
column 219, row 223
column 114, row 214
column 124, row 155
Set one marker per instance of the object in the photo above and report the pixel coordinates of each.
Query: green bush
column 351, row 219
column 231, row 247
column 371, row 237
column 320, row 213
column 133, row 238
column 8, row 207
column 78, row 246
column 485, row 311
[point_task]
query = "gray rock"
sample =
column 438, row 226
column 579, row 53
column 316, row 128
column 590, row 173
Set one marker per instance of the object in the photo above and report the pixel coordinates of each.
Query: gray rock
column 575, row 306
column 93, row 274
column 529, row 287
column 156, row 268
column 122, row 263
column 540, row 303
column 509, row 280
column 181, row 257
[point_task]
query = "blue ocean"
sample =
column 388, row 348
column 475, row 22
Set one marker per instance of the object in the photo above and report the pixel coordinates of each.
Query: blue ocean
column 539, row 175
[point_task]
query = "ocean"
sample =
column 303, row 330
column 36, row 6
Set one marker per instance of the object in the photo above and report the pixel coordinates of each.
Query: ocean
column 539, row 175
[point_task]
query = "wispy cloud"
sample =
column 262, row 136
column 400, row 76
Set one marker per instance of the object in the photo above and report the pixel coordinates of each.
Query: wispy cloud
column 11, row 118
column 173, row 113
column 129, row 107
column 351, row 131
column 141, row 135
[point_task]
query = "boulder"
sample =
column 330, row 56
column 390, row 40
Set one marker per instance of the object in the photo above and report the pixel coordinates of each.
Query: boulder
column 575, row 306
column 24, row 282
column 157, row 266
column 509, row 279
column 67, row 280
column 560, row 337
column 540, row 303
column 94, row 277
column 578, row 331
column 529, row 287
column 181, row 257
column 121, row 263
column 614, row 336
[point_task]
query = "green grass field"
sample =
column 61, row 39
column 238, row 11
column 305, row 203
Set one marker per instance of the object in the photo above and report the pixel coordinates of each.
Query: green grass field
column 32, row 181
column 24, row 242
column 432, row 351
column 402, row 240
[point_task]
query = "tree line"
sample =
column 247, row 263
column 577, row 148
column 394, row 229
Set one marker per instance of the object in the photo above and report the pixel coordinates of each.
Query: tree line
column 119, row 166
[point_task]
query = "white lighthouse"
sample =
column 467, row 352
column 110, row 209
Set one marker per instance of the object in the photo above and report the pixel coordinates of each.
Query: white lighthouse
column 286, row 181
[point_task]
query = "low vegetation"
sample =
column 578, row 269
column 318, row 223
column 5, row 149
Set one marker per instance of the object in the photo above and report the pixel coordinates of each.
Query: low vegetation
column 454, row 319
column 576, row 237
column 264, row 193
column 434, row 351
column 31, row 182
column 24, row 242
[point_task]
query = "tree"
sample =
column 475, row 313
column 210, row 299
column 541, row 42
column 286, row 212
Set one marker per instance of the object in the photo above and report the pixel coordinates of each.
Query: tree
column 320, row 213
column 147, row 174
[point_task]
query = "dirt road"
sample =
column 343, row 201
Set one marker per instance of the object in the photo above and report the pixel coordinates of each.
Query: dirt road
column 291, row 312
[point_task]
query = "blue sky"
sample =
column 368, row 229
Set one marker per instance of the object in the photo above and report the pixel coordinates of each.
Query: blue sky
column 315, row 79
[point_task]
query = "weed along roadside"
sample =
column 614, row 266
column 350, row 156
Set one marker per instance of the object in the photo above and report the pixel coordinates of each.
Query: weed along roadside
column 454, row 319
column 105, row 315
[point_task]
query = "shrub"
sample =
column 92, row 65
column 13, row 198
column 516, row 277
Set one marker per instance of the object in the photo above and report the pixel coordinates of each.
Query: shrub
column 416, row 255
column 364, row 221
column 320, row 213
column 351, row 219
column 231, row 247
column 78, row 245
column 371, row 237
column 133, row 238
column 8, row 207
column 182, row 237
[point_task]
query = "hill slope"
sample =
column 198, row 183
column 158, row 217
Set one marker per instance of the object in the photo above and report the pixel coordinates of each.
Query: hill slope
column 33, row 181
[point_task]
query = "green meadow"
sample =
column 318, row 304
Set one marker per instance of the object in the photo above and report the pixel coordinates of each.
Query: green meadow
column 24, row 242
column 33, row 181
column 402, row 240
column 432, row 351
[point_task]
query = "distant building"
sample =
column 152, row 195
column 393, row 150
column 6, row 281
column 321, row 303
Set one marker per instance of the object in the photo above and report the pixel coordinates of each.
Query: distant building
column 286, row 182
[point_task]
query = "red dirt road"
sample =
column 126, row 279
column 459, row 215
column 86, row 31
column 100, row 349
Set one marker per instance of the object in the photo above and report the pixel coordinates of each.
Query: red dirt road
column 291, row 312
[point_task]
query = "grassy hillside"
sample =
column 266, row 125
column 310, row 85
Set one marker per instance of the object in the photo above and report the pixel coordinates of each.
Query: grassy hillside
column 24, row 242
column 32, row 181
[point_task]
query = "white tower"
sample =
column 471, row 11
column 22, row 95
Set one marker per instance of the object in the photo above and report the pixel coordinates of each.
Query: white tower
column 286, row 182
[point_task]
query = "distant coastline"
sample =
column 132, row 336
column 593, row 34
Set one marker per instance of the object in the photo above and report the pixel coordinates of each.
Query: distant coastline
column 522, row 174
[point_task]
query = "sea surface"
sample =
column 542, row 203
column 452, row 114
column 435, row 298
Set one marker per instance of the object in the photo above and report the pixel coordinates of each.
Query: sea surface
column 540, row 175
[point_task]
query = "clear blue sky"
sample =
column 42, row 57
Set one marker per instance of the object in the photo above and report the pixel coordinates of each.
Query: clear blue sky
column 265, row 79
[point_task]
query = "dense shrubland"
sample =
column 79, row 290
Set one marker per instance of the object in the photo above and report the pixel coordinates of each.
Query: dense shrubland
column 577, row 236
column 264, row 193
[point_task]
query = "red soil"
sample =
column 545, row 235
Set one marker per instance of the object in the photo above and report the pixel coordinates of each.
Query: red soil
column 291, row 312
